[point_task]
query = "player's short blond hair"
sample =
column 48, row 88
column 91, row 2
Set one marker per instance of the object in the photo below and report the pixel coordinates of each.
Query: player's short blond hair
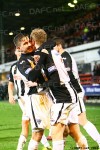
column 39, row 36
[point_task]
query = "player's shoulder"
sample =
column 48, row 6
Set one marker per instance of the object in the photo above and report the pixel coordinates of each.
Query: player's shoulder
column 14, row 64
column 22, row 61
column 66, row 55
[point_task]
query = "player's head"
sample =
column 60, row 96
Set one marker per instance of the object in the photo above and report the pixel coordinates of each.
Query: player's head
column 17, row 39
column 39, row 36
column 22, row 43
column 60, row 44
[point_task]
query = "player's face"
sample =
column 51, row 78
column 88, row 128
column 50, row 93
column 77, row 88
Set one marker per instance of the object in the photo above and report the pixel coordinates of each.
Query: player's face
column 33, row 44
column 25, row 45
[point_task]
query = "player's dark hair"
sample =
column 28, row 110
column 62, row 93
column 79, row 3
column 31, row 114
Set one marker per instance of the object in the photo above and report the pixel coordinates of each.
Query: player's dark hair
column 58, row 41
column 17, row 39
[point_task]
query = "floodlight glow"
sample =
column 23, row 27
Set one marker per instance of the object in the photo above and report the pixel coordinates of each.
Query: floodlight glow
column 22, row 28
column 17, row 14
column 75, row 1
column 72, row 5
column 69, row 4
column 11, row 33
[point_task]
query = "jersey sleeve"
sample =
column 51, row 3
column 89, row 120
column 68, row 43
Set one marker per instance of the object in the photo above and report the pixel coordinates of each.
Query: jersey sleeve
column 36, row 71
column 54, row 80
column 45, row 62
column 24, row 67
column 74, row 68
column 11, row 79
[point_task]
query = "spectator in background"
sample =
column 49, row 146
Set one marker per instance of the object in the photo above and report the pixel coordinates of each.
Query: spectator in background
column 96, row 70
column 1, row 92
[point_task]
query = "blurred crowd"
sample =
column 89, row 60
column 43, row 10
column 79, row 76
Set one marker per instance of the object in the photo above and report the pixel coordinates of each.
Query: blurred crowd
column 96, row 70
column 3, row 91
column 82, row 30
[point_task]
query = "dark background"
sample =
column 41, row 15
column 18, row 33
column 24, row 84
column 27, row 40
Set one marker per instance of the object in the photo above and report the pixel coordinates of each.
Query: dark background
column 52, row 15
column 48, row 14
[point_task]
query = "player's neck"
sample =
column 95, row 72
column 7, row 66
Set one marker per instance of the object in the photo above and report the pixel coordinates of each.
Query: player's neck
column 61, row 50
column 18, row 57
column 37, row 46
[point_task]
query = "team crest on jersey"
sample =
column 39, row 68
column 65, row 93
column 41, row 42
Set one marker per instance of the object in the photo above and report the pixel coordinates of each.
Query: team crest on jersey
column 37, row 50
column 28, row 70
column 64, row 58
column 22, row 62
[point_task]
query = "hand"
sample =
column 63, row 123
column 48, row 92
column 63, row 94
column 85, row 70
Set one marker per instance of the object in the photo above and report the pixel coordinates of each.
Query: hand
column 30, row 84
column 45, row 51
column 12, row 100
column 36, row 58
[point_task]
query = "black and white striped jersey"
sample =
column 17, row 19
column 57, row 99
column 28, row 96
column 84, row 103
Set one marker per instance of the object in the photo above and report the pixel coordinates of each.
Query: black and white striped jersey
column 59, row 92
column 72, row 70
column 16, row 79
column 25, row 65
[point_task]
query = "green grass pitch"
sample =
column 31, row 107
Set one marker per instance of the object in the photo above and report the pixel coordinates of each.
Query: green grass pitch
column 10, row 127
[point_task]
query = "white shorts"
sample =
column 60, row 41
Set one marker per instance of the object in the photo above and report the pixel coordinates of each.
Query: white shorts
column 38, row 110
column 21, row 102
column 64, row 113
column 81, row 106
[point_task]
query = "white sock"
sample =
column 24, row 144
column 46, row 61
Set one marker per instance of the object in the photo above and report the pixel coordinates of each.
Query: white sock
column 58, row 145
column 92, row 131
column 44, row 141
column 21, row 142
column 33, row 145
column 77, row 146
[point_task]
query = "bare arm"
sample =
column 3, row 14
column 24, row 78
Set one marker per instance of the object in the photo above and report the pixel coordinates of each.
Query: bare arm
column 10, row 92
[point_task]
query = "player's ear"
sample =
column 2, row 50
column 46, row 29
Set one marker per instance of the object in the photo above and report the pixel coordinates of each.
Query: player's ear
column 18, row 47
